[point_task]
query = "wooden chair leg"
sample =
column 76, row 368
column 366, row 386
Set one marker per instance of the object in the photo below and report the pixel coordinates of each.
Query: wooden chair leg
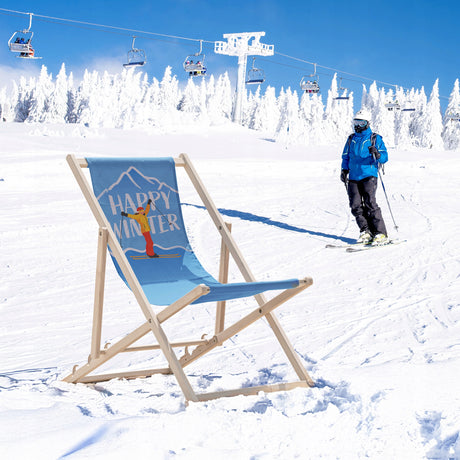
column 99, row 293
column 223, row 278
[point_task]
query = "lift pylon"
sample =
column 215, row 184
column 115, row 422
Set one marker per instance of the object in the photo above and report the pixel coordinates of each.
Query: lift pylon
column 242, row 45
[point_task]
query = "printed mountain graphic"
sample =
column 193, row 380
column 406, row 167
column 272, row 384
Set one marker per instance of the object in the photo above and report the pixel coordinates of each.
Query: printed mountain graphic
column 133, row 177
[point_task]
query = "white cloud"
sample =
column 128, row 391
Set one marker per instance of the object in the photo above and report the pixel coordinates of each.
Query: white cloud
column 8, row 74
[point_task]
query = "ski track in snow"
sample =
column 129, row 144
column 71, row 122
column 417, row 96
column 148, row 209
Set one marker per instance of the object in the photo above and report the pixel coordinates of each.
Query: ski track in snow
column 378, row 331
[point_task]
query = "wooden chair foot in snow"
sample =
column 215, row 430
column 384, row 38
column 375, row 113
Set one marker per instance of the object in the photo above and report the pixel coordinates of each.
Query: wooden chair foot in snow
column 129, row 196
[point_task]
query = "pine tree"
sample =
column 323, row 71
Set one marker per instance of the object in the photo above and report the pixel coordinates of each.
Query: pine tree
column 190, row 100
column 40, row 100
column 417, row 123
column 55, row 110
column 71, row 113
column 267, row 113
column 451, row 131
column 384, row 117
column 250, row 108
column 431, row 123
column 338, row 113
column 403, row 118
column 24, row 99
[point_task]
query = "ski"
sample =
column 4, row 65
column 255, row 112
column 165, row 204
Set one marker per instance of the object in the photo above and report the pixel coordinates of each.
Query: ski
column 344, row 246
column 370, row 246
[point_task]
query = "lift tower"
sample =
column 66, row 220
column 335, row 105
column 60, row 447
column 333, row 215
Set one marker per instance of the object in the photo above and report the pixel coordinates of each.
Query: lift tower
column 241, row 45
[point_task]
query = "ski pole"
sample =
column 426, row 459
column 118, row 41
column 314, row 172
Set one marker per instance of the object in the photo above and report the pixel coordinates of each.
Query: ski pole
column 121, row 231
column 388, row 203
column 159, row 210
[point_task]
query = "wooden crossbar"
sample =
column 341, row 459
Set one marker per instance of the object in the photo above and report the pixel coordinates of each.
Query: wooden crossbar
column 254, row 390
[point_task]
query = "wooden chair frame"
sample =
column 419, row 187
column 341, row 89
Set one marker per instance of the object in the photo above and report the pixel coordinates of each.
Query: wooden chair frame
column 153, row 322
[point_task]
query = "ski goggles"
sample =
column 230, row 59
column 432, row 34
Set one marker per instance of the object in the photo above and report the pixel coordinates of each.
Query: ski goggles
column 360, row 123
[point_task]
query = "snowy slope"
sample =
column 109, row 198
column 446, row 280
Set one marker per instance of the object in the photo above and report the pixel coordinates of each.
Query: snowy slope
column 379, row 331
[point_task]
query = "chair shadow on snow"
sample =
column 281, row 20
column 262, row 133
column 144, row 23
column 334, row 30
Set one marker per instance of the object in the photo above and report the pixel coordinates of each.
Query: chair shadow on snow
column 266, row 220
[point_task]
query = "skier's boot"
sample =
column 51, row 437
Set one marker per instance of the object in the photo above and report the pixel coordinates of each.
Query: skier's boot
column 364, row 237
column 379, row 240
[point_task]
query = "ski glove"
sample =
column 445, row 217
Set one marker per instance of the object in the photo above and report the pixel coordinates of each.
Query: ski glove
column 374, row 152
column 148, row 202
column 344, row 175
column 124, row 214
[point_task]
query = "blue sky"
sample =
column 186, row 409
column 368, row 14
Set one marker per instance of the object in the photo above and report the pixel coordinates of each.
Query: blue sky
column 410, row 43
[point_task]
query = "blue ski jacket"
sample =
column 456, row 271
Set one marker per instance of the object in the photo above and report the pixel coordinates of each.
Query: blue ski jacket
column 357, row 159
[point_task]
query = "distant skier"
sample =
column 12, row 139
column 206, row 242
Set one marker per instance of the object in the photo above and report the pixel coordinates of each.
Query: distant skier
column 360, row 163
column 141, row 218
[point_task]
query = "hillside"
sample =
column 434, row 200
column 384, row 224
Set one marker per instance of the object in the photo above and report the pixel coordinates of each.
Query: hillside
column 378, row 331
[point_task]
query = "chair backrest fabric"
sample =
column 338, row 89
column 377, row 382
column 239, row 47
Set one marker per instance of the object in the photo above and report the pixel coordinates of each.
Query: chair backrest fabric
column 153, row 235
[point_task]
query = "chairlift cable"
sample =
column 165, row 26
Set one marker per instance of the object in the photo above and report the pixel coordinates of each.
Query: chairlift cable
column 177, row 37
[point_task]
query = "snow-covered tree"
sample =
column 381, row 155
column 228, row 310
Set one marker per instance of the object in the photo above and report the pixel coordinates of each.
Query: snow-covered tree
column 384, row 117
column 430, row 123
column 56, row 103
column 169, row 91
column 40, row 100
column 267, row 113
column 250, row 107
column 291, row 126
column 25, row 96
column 451, row 131
column 312, row 112
column 338, row 113
column 191, row 99
column 371, row 101
column 8, row 103
column 417, row 122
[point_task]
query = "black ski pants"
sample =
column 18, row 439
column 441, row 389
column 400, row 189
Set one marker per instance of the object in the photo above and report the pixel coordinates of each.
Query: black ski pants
column 364, row 206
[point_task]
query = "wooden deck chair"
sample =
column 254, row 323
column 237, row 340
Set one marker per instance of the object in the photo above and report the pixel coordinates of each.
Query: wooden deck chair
column 165, row 271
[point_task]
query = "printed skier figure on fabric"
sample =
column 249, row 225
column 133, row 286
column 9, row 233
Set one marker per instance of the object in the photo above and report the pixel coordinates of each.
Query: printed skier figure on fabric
column 141, row 218
column 363, row 154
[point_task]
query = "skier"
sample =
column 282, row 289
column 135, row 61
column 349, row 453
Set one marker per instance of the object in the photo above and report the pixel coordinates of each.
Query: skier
column 141, row 218
column 360, row 163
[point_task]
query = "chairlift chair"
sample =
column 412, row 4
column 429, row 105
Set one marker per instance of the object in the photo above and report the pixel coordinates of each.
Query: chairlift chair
column 454, row 116
column 408, row 104
column 309, row 86
column 21, row 42
column 136, row 57
column 342, row 90
column 309, row 83
column 393, row 105
column 255, row 76
column 194, row 63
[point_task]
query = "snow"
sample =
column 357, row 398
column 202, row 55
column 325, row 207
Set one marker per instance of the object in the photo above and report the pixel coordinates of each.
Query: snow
column 378, row 331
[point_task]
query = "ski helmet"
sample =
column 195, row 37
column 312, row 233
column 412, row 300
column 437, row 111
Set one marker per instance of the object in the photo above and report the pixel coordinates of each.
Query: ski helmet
column 360, row 116
column 363, row 114
column 140, row 208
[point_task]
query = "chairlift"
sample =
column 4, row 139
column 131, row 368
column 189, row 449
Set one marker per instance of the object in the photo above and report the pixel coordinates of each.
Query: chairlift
column 255, row 76
column 408, row 105
column 342, row 90
column 21, row 42
column 393, row 105
column 194, row 64
column 136, row 57
column 454, row 116
column 309, row 83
